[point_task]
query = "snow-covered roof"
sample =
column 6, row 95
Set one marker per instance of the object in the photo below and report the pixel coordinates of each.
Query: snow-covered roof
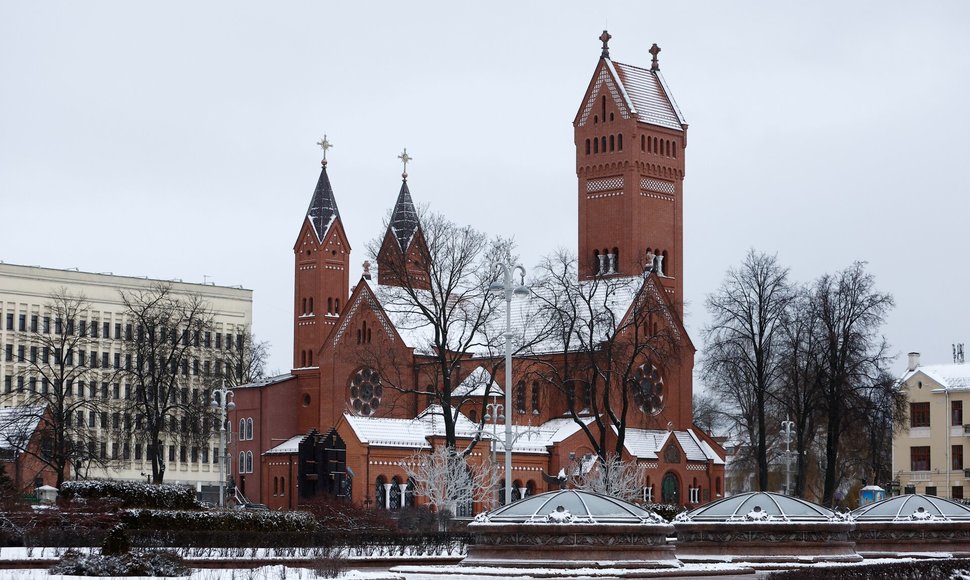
column 954, row 376
column 323, row 206
column 478, row 383
column 404, row 219
column 291, row 445
column 649, row 95
column 17, row 425
column 411, row 433
column 266, row 381
column 647, row 444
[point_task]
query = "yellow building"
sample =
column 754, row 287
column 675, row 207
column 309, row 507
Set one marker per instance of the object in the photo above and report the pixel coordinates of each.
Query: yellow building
column 928, row 451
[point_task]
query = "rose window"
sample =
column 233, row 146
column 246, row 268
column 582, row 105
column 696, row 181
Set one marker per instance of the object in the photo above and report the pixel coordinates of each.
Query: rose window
column 648, row 389
column 365, row 392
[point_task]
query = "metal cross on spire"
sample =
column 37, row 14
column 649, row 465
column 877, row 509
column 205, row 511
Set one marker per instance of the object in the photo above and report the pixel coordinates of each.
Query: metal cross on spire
column 325, row 145
column 654, row 51
column 404, row 157
column 605, row 37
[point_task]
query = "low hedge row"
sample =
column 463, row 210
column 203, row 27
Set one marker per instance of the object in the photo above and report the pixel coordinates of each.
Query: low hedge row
column 918, row 570
column 132, row 494
column 220, row 521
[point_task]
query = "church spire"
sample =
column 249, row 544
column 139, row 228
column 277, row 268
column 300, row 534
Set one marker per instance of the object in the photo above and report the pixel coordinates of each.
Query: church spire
column 323, row 205
column 404, row 218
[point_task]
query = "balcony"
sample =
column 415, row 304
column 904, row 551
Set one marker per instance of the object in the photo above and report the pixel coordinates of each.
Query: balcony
column 920, row 476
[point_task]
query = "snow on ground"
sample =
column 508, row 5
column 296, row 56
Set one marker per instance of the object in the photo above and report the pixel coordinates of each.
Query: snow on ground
column 262, row 573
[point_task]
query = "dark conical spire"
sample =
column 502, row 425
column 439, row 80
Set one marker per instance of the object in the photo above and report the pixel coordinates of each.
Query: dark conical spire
column 323, row 206
column 404, row 219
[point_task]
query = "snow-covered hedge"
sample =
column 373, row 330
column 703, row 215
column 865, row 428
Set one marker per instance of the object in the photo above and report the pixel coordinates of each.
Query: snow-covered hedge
column 148, row 564
column 919, row 570
column 133, row 494
column 220, row 521
column 667, row 511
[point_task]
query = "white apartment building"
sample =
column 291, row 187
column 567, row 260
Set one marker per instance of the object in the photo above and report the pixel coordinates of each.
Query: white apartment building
column 25, row 293
column 928, row 449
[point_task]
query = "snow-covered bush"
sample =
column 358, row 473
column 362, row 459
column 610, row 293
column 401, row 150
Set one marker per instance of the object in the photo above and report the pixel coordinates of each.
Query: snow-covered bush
column 220, row 521
column 74, row 563
column 133, row 494
column 667, row 511
column 918, row 570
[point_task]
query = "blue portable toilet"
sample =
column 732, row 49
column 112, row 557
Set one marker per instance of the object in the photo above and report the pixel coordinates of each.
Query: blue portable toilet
column 871, row 494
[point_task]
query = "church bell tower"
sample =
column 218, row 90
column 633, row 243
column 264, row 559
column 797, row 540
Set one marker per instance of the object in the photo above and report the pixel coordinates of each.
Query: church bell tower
column 630, row 145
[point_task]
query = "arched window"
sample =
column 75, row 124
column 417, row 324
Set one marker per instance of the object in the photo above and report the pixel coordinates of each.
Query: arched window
column 619, row 141
column 302, row 358
column 380, row 493
column 358, row 336
column 336, row 306
column 304, row 307
column 242, row 429
column 368, row 336
column 655, row 145
column 673, row 148
column 329, row 305
column 717, row 486
column 667, row 266
column 409, row 493
column 535, row 397
column 520, row 397
column 611, row 116
column 249, row 462
column 603, row 106
column 309, row 358
column 612, row 143
column 282, row 486
column 276, row 486
column 603, row 143
column 587, row 396
column 394, row 495
column 249, row 428
column 668, row 148
column 311, row 304
column 473, row 416
column 643, row 143
column 596, row 145
column 596, row 119
column 616, row 260
column 516, row 490
column 587, row 146
column 530, row 488
column 242, row 462
column 596, row 262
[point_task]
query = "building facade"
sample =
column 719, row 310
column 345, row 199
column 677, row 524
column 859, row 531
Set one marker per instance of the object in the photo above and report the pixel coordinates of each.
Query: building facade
column 928, row 451
column 97, row 363
column 334, row 426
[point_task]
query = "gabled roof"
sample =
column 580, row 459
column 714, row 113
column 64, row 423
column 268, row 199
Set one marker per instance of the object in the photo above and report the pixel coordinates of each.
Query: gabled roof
column 477, row 383
column 323, row 206
column 17, row 426
column 954, row 376
column 291, row 445
column 409, row 433
column 647, row 444
column 636, row 91
column 404, row 219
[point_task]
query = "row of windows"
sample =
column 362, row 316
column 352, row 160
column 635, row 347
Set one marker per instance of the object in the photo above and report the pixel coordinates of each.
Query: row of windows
column 306, row 358
column 94, row 329
column 279, row 486
column 245, row 462
column 93, row 359
column 606, row 262
column 956, row 491
column 139, row 452
column 94, row 419
column 610, row 143
column 919, row 458
column 919, row 414
column 246, row 429
column 333, row 306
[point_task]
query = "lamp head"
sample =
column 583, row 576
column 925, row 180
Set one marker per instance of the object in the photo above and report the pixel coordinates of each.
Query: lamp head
column 521, row 291
column 230, row 406
column 214, row 403
column 496, row 286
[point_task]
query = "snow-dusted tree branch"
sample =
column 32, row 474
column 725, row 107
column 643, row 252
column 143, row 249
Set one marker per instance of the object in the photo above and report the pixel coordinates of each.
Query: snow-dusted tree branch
column 610, row 476
column 448, row 480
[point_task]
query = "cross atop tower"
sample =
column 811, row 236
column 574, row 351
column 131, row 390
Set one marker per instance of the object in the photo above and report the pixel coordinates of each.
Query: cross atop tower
column 605, row 37
column 654, row 51
column 325, row 145
column 404, row 157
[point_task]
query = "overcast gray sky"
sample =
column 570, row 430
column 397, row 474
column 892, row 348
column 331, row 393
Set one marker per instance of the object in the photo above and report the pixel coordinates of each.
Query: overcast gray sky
column 176, row 139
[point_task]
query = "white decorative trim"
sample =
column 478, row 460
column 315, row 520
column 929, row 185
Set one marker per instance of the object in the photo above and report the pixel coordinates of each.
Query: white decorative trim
column 603, row 78
column 375, row 307
column 650, row 184
column 604, row 184
column 603, row 195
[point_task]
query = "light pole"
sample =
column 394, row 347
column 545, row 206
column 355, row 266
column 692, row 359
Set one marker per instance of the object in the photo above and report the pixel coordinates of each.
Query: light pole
column 786, row 427
column 494, row 412
column 222, row 400
column 508, row 289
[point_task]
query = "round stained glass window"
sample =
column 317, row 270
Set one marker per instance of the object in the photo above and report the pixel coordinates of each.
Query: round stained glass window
column 365, row 392
column 648, row 389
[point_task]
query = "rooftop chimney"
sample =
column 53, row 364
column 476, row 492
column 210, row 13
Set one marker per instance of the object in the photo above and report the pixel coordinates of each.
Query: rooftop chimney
column 913, row 361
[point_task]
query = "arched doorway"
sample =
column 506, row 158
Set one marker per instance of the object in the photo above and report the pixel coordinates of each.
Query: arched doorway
column 670, row 489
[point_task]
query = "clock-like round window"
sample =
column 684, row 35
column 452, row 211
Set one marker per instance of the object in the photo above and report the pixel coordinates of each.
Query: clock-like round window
column 648, row 389
column 366, row 392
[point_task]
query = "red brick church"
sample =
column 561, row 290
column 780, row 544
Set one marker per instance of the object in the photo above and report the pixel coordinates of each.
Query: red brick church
column 332, row 426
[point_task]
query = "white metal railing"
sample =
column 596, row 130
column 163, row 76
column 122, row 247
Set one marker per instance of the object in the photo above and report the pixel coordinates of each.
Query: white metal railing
column 920, row 476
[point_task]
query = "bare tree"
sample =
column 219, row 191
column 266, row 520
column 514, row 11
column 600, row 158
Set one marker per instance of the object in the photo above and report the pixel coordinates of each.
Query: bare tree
column 247, row 362
column 743, row 358
column 612, row 476
column 606, row 345
column 438, row 293
column 52, row 380
column 853, row 355
column 448, row 480
column 708, row 413
column 168, row 343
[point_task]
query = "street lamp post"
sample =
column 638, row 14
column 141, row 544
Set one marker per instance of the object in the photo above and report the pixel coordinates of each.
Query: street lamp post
column 494, row 412
column 222, row 400
column 786, row 427
column 508, row 289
